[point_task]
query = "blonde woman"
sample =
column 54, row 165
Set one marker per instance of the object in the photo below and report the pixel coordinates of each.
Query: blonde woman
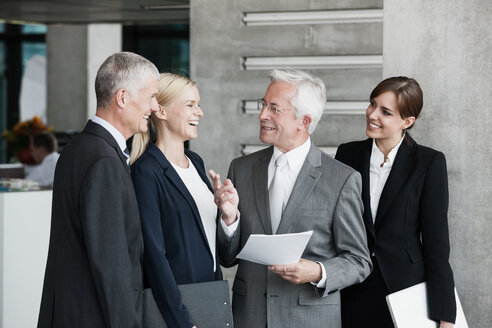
column 176, row 200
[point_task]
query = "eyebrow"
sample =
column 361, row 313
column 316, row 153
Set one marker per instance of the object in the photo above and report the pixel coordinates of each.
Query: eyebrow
column 272, row 103
column 384, row 107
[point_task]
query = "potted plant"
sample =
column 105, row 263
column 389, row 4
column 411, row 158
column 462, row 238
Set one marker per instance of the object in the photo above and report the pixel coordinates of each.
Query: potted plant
column 19, row 138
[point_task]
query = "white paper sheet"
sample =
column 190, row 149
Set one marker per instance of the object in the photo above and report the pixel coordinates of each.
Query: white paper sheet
column 275, row 249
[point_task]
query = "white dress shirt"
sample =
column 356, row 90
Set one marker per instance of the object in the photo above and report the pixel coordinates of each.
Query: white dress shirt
column 379, row 170
column 115, row 133
column 295, row 159
column 44, row 172
column 204, row 201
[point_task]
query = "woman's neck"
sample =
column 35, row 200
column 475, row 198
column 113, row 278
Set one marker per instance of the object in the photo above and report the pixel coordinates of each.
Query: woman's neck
column 386, row 145
column 172, row 148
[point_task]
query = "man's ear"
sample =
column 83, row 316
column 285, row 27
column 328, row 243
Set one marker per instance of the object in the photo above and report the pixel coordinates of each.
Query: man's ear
column 122, row 97
column 306, row 121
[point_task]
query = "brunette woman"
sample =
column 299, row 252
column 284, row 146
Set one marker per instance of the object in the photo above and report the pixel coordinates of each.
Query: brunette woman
column 405, row 194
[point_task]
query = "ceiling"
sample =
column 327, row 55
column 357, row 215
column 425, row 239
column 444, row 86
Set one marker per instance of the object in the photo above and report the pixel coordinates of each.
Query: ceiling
column 95, row 11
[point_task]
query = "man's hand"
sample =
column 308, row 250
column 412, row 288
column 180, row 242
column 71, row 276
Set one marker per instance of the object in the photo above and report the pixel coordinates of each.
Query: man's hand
column 445, row 324
column 300, row 272
column 225, row 197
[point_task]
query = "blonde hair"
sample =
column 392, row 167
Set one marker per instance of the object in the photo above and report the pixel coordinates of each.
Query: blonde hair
column 170, row 87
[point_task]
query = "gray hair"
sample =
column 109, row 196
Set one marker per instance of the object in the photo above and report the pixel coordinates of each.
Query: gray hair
column 122, row 70
column 310, row 97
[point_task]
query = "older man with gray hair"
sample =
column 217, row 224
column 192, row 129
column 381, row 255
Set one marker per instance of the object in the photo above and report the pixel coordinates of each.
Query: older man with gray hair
column 94, row 271
column 291, row 187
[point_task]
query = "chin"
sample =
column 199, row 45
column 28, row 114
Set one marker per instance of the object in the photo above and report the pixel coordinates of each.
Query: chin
column 371, row 134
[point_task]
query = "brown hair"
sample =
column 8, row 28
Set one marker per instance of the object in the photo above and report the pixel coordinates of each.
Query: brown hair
column 45, row 140
column 408, row 93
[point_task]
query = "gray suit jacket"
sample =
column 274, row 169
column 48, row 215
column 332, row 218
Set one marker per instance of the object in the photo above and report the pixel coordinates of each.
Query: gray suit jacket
column 326, row 199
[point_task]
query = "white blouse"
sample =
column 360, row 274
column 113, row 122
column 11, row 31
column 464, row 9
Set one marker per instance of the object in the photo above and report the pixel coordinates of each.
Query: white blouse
column 204, row 200
column 379, row 170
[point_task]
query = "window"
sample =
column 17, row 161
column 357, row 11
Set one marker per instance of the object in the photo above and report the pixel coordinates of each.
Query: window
column 18, row 44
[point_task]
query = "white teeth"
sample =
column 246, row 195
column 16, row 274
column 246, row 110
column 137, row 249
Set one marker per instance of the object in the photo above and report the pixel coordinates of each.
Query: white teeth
column 146, row 117
column 268, row 128
column 193, row 123
column 374, row 126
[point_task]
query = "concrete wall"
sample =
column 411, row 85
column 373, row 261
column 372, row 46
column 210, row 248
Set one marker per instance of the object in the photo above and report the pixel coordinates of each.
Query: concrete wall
column 66, row 52
column 74, row 54
column 446, row 46
column 219, row 41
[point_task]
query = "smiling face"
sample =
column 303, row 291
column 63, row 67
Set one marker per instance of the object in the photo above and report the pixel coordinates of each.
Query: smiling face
column 281, row 127
column 383, row 119
column 139, row 106
column 183, row 114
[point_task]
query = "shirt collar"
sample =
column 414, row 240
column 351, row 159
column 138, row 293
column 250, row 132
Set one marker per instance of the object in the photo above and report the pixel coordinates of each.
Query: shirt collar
column 392, row 154
column 114, row 132
column 296, row 156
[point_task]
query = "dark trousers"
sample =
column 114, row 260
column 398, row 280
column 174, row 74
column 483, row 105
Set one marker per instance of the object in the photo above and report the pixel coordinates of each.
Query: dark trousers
column 364, row 304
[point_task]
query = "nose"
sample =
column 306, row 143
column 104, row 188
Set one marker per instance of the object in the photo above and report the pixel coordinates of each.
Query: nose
column 264, row 114
column 199, row 111
column 371, row 112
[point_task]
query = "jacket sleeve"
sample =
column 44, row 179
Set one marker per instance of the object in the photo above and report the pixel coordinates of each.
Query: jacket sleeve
column 157, row 269
column 353, row 263
column 435, row 240
column 229, row 247
column 102, row 212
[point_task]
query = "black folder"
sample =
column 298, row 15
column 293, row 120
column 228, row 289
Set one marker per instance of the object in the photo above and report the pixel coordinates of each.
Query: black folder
column 207, row 302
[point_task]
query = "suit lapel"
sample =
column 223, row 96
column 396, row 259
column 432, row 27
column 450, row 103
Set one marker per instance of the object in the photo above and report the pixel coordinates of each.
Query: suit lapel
column 305, row 182
column 366, row 193
column 174, row 178
column 260, row 185
column 98, row 130
column 404, row 162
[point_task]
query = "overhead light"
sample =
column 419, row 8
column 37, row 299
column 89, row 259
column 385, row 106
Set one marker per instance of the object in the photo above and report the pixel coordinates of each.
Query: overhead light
column 312, row 62
column 164, row 7
column 313, row 17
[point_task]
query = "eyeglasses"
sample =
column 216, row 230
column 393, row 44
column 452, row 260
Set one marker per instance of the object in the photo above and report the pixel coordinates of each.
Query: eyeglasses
column 274, row 109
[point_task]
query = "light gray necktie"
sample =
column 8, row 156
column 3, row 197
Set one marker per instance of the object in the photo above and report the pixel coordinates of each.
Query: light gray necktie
column 276, row 192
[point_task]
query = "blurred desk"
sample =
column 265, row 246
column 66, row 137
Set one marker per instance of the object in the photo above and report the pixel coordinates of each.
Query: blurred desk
column 12, row 171
column 25, row 219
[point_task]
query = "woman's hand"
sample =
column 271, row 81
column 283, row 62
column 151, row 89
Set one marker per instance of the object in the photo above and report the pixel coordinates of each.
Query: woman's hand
column 445, row 324
column 225, row 197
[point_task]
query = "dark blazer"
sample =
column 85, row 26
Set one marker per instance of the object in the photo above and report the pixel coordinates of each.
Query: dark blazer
column 413, row 205
column 94, row 269
column 176, row 247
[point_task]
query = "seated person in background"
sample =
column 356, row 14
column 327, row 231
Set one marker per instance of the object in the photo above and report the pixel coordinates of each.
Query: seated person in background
column 44, row 151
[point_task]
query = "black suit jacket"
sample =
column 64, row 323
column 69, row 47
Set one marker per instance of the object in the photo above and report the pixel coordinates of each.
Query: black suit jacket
column 176, row 247
column 410, row 234
column 94, row 270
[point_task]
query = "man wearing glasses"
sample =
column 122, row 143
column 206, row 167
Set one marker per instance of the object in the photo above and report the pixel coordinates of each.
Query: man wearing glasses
column 291, row 187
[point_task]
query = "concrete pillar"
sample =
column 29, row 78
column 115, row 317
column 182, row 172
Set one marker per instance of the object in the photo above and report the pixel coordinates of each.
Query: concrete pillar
column 446, row 46
column 74, row 54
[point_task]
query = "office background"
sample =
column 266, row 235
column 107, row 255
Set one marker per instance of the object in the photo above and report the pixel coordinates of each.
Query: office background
column 351, row 45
